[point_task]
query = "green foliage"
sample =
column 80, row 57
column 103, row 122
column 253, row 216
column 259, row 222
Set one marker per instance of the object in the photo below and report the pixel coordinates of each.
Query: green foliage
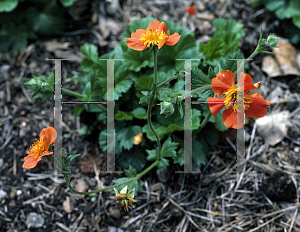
column 284, row 10
column 130, row 173
column 41, row 85
column 133, row 78
column 225, row 41
column 167, row 150
column 134, row 158
column 8, row 5
column 67, row 3
column 28, row 19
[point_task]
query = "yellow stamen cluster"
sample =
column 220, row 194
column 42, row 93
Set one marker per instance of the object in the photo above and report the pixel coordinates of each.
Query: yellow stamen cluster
column 153, row 37
column 125, row 200
column 37, row 148
column 231, row 98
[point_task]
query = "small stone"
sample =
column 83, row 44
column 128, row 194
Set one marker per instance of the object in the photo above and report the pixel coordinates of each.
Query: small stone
column 296, row 149
column 115, row 213
column 34, row 220
column 12, row 204
column 205, row 15
column 3, row 194
column 67, row 205
column 114, row 229
column 19, row 192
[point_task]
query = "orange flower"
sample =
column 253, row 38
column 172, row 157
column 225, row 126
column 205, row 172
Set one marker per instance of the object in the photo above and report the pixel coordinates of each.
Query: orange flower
column 224, row 83
column 40, row 147
column 191, row 10
column 155, row 35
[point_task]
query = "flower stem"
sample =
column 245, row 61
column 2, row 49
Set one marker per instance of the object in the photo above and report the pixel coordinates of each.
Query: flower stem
column 151, row 103
column 142, row 173
column 72, row 93
column 205, row 121
column 196, row 90
column 56, row 161
column 110, row 187
column 166, row 81
column 94, row 191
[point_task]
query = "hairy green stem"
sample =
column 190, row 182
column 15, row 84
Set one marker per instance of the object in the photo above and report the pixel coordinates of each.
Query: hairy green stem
column 166, row 81
column 196, row 90
column 94, row 191
column 110, row 187
column 152, row 95
column 72, row 93
column 204, row 122
column 142, row 173
column 56, row 161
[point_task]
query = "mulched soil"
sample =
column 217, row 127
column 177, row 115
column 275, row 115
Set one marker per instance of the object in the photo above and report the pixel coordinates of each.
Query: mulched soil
column 265, row 197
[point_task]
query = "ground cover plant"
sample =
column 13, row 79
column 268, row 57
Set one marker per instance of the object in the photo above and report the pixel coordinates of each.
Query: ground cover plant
column 141, row 50
column 258, row 192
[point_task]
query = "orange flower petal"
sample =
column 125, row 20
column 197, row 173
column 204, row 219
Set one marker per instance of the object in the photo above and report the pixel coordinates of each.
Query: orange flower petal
column 247, row 82
column 215, row 104
column 45, row 134
column 222, row 82
column 229, row 118
column 154, row 25
column 136, row 44
column 162, row 27
column 162, row 42
column 191, row 10
column 258, row 106
column 173, row 39
column 31, row 161
column 53, row 134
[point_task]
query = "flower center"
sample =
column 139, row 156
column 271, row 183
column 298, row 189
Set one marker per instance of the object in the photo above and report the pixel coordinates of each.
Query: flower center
column 37, row 148
column 231, row 98
column 153, row 37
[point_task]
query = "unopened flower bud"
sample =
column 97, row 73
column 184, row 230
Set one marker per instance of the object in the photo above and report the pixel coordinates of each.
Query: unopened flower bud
column 272, row 41
column 166, row 108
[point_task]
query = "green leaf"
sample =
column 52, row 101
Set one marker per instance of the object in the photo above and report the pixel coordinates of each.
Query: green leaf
column 199, row 79
column 231, row 27
column 137, row 185
column 70, row 158
column 211, row 136
column 67, row 3
column 90, row 51
column 130, row 172
column 186, row 48
column 8, row 5
column 152, row 154
column 144, row 83
column 199, row 150
column 229, row 63
column 136, row 60
column 296, row 21
column 214, row 49
column 135, row 158
column 168, row 148
column 144, row 99
column 46, row 23
column 139, row 113
column 121, row 116
column 124, row 137
column 41, row 85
